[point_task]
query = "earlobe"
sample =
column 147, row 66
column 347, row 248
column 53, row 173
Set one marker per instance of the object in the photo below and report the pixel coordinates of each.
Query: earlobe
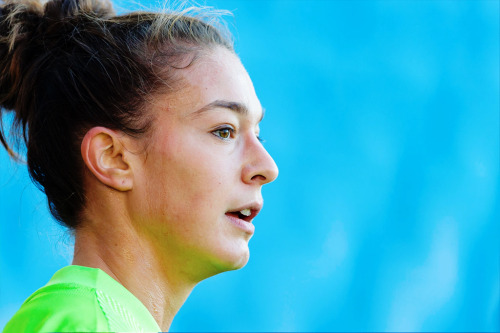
column 105, row 156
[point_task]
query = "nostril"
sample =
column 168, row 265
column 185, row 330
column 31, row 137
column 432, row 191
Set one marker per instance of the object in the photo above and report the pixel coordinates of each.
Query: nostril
column 259, row 177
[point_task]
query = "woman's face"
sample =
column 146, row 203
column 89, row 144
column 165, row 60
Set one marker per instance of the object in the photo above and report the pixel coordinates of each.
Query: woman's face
column 203, row 169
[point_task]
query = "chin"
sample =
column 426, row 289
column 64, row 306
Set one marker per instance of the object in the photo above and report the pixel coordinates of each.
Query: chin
column 242, row 262
column 231, row 262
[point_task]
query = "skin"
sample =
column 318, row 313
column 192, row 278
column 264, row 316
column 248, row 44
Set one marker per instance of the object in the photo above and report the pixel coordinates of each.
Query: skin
column 158, row 215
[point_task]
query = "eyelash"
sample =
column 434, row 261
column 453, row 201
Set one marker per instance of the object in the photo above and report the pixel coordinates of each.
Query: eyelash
column 231, row 134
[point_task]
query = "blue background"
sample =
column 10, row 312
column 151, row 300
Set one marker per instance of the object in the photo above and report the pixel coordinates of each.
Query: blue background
column 383, row 117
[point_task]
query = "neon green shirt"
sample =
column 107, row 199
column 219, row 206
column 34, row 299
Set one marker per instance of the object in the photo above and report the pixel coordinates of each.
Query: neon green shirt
column 82, row 299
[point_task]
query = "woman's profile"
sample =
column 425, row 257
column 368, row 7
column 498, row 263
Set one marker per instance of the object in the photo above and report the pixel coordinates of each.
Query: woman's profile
column 143, row 131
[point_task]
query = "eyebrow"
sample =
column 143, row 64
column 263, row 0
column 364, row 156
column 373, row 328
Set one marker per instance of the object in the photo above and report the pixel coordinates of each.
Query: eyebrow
column 236, row 107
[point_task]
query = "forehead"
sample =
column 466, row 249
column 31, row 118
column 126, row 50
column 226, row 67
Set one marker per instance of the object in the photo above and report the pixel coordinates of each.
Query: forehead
column 218, row 75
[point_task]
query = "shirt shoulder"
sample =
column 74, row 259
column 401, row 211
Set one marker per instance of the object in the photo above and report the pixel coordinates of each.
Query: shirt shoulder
column 62, row 307
column 82, row 299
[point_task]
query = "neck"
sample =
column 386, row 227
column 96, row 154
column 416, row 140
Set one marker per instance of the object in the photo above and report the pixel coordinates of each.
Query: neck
column 133, row 262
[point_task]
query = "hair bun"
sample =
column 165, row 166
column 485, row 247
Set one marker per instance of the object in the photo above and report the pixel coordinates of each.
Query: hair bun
column 24, row 29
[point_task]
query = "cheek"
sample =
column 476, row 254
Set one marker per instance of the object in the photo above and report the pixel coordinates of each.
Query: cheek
column 185, row 179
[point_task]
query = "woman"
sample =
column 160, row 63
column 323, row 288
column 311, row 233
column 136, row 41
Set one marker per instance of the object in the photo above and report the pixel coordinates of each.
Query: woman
column 143, row 131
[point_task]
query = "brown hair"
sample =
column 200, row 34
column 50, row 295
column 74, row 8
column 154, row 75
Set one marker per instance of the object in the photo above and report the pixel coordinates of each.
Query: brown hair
column 71, row 65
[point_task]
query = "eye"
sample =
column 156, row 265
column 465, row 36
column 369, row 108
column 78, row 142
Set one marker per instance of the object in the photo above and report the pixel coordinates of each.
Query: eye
column 224, row 133
column 261, row 140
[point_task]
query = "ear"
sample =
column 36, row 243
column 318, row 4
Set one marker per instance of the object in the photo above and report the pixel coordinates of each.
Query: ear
column 106, row 157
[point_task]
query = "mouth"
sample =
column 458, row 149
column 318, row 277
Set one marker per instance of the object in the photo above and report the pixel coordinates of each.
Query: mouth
column 246, row 214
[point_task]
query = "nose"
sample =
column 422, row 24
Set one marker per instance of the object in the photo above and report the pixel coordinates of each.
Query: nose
column 260, row 168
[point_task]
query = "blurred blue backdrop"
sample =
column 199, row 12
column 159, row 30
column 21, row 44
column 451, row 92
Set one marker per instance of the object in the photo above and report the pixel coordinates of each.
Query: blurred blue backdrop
column 383, row 117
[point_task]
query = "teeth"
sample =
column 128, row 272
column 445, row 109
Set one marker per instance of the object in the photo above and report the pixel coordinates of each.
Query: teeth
column 246, row 212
